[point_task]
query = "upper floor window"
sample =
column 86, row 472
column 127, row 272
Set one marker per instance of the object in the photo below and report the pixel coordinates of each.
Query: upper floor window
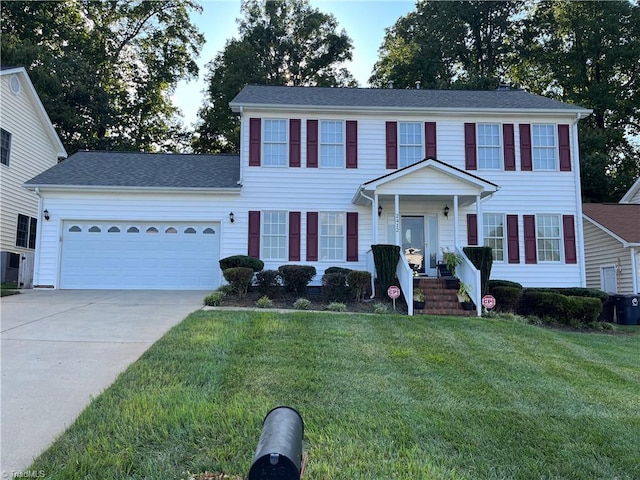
column 26, row 231
column 548, row 237
column 275, row 142
column 5, row 146
column 489, row 146
column 543, row 142
column 493, row 233
column 332, row 144
column 274, row 235
column 410, row 143
column 332, row 236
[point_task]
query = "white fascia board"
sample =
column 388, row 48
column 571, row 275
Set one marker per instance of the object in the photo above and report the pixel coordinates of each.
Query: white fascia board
column 85, row 188
column 631, row 193
column 624, row 243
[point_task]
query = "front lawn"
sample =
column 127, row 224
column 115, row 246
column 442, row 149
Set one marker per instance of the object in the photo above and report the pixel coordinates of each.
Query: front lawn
column 382, row 397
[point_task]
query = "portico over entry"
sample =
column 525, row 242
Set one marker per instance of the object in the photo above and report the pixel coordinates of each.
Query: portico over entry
column 420, row 208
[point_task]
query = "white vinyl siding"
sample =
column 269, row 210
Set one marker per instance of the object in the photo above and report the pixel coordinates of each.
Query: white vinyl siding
column 275, row 143
column 548, row 236
column 410, row 149
column 332, row 236
column 489, row 147
column 274, row 235
column 543, row 139
column 332, row 149
column 494, row 234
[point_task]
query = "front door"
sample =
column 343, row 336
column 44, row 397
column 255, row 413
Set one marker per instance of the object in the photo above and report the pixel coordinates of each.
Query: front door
column 419, row 242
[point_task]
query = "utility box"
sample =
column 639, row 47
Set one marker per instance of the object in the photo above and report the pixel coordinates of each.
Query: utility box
column 279, row 452
column 627, row 309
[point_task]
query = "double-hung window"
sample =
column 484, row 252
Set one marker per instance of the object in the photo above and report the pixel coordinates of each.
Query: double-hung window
column 493, row 232
column 332, row 236
column 544, row 149
column 489, row 146
column 410, row 148
column 5, row 146
column 548, row 236
column 274, row 235
column 275, row 143
column 26, row 232
column 332, row 149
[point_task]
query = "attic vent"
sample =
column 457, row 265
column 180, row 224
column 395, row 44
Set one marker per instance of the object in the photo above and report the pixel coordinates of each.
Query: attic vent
column 390, row 83
column 14, row 85
column 418, row 85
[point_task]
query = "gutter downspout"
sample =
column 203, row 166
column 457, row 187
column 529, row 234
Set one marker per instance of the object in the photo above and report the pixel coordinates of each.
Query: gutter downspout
column 579, row 221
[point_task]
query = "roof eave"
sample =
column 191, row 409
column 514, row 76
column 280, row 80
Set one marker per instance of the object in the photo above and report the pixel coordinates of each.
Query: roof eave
column 132, row 189
column 615, row 236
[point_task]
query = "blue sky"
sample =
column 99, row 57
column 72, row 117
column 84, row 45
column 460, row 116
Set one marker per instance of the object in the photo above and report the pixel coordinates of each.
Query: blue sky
column 363, row 20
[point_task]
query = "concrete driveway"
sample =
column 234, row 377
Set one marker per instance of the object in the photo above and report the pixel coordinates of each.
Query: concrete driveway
column 61, row 348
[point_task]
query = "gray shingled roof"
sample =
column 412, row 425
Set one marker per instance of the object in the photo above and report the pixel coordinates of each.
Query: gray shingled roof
column 367, row 98
column 148, row 170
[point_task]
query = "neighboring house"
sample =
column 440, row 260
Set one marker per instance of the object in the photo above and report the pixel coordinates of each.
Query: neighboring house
column 612, row 243
column 29, row 145
column 323, row 174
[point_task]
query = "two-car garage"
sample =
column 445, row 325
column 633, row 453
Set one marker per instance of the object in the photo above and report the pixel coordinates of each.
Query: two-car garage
column 139, row 255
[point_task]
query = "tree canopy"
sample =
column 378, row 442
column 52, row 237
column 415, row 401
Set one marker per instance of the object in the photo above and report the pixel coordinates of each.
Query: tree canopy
column 105, row 69
column 280, row 43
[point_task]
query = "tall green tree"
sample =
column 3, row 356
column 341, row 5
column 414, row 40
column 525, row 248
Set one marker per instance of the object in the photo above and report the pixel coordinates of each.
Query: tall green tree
column 105, row 70
column 454, row 44
column 588, row 53
column 280, row 43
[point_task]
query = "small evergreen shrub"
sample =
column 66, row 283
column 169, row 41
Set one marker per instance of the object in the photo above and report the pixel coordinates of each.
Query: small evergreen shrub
column 343, row 270
column 334, row 286
column 385, row 258
column 302, row 304
column 226, row 289
column 214, row 299
column 503, row 283
column 264, row 302
column 337, row 307
column 297, row 277
column 239, row 278
column 380, row 308
column 555, row 307
column 482, row 259
column 268, row 281
column 506, row 298
column 246, row 261
column 359, row 282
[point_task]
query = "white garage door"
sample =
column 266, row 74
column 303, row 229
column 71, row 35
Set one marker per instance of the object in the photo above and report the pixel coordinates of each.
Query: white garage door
column 143, row 255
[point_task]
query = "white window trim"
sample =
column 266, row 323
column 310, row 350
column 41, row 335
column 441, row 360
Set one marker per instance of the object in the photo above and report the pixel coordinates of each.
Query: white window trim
column 500, row 147
column 344, row 237
column 556, row 155
column 263, row 235
column 264, row 142
column 421, row 145
column 344, row 144
column 560, row 243
column 504, row 234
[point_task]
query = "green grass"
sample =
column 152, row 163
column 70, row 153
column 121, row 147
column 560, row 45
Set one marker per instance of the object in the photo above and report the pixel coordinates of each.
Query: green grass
column 382, row 397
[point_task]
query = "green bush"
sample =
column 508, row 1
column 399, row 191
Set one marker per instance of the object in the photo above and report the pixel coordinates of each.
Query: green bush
column 337, row 307
column 214, row 299
column 264, row 302
column 234, row 261
column 268, row 281
column 297, row 277
column 578, row 292
column 503, row 283
column 386, row 258
column 334, row 286
column 239, row 278
column 302, row 304
column 380, row 308
column 567, row 310
column 506, row 298
column 343, row 270
column 482, row 259
column 359, row 282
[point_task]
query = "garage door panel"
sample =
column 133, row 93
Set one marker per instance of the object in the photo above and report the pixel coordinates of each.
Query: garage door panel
column 147, row 255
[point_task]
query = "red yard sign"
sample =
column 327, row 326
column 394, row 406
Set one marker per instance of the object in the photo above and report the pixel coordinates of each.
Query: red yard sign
column 488, row 302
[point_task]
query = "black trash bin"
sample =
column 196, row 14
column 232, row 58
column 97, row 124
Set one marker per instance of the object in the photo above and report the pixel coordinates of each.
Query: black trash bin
column 627, row 309
column 606, row 315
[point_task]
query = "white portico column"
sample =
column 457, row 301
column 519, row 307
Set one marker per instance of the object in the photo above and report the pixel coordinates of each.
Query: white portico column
column 396, row 201
column 455, row 221
column 375, row 218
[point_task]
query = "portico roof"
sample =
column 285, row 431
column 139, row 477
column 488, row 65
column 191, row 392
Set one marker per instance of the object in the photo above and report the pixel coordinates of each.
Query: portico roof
column 429, row 177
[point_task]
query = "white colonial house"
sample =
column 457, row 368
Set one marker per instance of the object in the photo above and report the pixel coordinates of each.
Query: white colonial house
column 29, row 145
column 324, row 173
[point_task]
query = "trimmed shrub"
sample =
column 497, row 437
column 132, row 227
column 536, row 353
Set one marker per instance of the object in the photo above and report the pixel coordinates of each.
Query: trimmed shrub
column 234, row 261
column 337, row 307
column 334, row 286
column 264, row 302
column 482, row 259
column 268, row 281
column 359, row 282
column 226, row 289
column 239, row 278
column 386, row 258
column 343, row 270
column 214, row 299
column 302, row 304
column 506, row 298
column 503, row 283
column 563, row 309
column 297, row 277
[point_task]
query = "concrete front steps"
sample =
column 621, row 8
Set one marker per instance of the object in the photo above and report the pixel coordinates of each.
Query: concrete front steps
column 438, row 299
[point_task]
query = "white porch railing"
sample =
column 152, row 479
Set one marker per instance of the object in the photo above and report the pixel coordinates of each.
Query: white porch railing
column 405, row 277
column 371, row 268
column 470, row 276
